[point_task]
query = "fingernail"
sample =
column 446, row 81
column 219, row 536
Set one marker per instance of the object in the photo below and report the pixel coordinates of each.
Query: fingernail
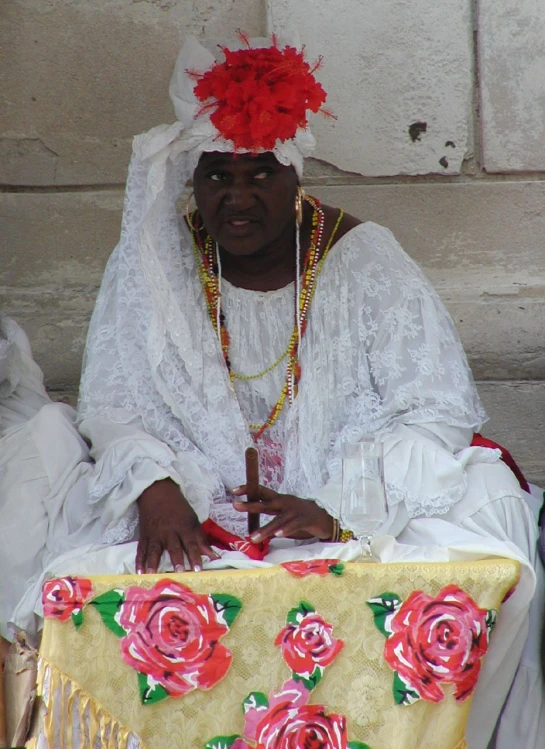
column 149, row 571
column 255, row 538
column 179, row 568
column 139, row 570
column 279, row 534
column 236, row 490
column 197, row 568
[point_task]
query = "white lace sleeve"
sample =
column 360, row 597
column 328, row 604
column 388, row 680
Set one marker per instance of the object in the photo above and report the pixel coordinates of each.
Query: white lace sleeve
column 386, row 362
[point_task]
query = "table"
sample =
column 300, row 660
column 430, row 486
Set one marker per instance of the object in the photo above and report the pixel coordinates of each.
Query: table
column 364, row 656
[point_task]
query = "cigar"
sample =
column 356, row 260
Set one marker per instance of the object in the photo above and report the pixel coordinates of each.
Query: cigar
column 252, row 485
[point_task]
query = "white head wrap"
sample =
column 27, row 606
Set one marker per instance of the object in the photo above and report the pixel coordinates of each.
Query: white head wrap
column 183, row 142
column 197, row 133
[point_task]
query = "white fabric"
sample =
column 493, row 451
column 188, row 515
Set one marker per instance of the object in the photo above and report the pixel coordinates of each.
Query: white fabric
column 380, row 356
column 22, row 393
column 44, row 478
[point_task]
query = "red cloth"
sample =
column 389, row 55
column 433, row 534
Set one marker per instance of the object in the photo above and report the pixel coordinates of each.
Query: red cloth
column 221, row 538
column 480, row 441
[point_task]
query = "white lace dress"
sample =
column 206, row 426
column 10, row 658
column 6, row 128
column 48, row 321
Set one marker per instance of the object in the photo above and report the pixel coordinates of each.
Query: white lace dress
column 380, row 356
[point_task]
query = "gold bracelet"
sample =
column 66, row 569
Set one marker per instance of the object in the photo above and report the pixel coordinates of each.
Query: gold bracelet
column 336, row 531
column 345, row 535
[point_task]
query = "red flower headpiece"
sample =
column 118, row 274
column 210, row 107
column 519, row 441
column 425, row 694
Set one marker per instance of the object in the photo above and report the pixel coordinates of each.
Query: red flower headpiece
column 260, row 95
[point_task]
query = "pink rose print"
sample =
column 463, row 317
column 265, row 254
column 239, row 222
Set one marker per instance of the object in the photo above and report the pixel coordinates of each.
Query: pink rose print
column 293, row 694
column 320, row 567
column 65, row 596
column 173, row 636
column 308, row 644
column 438, row 640
column 306, row 727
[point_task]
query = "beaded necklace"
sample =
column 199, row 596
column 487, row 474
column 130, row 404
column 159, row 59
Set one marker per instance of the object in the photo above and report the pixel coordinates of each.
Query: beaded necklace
column 207, row 257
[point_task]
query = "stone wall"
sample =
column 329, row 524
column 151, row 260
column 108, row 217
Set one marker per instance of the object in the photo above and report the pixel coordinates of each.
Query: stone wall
column 441, row 112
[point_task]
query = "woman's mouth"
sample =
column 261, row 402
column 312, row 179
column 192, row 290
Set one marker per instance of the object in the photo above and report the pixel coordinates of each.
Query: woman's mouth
column 240, row 226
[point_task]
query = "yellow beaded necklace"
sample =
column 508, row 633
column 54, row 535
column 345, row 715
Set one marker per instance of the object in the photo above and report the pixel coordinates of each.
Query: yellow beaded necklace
column 207, row 267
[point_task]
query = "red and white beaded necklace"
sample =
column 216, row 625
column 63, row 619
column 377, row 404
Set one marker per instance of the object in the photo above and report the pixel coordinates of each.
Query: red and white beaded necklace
column 207, row 258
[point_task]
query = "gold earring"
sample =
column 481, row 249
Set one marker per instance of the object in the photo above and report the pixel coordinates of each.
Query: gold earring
column 299, row 197
column 189, row 214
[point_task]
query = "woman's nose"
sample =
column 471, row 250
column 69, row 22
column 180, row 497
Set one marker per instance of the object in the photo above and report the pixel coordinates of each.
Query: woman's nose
column 240, row 196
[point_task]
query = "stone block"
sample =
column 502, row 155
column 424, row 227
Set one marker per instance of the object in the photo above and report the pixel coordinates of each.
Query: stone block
column 52, row 241
column 517, row 421
column 490, row 234
column 54, row 248
column 84, row 77
column 512, row 84
column 399, row 76
column 56, row 322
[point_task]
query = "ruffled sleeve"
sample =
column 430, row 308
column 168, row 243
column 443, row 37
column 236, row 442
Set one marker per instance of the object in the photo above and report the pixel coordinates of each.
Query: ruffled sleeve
column 128, row 461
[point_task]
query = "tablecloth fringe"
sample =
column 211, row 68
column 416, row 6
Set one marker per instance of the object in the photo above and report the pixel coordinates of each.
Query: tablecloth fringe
column 73, row 719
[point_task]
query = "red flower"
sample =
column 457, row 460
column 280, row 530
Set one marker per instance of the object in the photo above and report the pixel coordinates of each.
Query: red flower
column 259, row 96
column 437, row 640
column 173, row 636
column 308, row 644
column 65, row 596
column 287, row 727
column 311, row 567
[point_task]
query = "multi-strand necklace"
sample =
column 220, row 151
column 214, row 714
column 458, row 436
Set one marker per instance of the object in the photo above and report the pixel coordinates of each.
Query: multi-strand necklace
column 207, row 261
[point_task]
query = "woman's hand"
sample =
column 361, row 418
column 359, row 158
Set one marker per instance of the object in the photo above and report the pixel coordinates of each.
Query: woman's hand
column 295, row 517
column 169, row 523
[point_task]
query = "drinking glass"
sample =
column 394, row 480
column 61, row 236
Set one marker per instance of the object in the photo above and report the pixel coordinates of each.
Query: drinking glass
column 363, row 501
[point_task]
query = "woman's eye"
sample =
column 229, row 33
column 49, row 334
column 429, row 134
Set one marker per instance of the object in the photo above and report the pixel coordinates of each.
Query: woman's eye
column 216, row 176
column 263, row 174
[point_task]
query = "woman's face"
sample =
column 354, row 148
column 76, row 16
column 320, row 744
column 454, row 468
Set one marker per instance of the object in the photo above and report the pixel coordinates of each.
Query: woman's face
column 247, row 202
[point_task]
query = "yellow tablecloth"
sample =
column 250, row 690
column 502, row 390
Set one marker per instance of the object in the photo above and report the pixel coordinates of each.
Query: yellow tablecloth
column 84, row 678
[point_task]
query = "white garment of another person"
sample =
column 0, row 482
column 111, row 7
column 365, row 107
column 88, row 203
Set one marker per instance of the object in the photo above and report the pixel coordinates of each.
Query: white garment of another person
column 45, row 472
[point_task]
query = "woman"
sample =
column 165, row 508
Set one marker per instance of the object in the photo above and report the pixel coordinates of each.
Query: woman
column 160, row 400
column 264, row 318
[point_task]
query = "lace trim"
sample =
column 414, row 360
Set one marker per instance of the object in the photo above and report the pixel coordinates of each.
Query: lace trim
column 418, row 506
column 124, row 530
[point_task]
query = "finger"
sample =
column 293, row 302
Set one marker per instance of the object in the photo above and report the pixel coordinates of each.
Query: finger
column 239, row 491
column 289, row 528
column 192, row 549
column 268, row 531
column 207, row 551
column 140, row 559
column 153, row 556
column 176, row 552
column 268, row 495
column 257, row 507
